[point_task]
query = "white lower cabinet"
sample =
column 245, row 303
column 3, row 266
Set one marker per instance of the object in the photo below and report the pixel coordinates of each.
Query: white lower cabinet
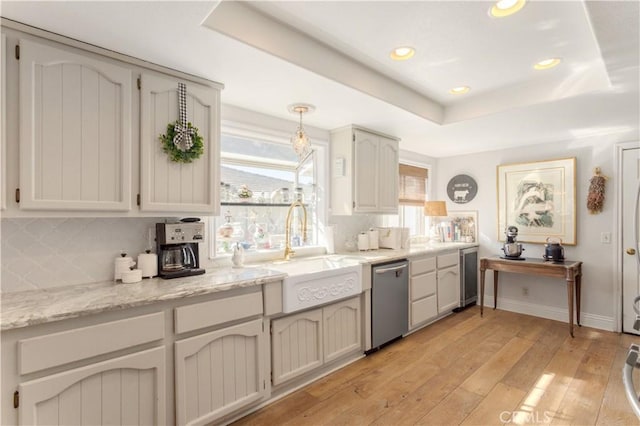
column 434, row 287
column 125, row 390
column 305, row 341
column 219, row 372
column 448, row 282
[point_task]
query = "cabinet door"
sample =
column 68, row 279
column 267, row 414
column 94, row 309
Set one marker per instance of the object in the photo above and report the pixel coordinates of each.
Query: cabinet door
column 366, row 172
column 297, row 345
column 125, row 390
column 167, row 186
column 220, row 372
column 3, row 121
column 423, row 310
column 388, row 175
column 75, row 131
column 448, row 289
column 342, row 332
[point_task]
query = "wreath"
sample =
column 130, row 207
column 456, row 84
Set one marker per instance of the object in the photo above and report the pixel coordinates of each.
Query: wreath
column 175, row 153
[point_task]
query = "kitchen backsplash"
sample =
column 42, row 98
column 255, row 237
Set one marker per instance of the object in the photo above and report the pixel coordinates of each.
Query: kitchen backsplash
column 45, row 253
column 56, row 252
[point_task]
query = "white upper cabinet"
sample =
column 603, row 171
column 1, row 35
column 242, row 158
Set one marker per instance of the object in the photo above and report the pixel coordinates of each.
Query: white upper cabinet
column 364, row 176
column 167, row 186
column 3, row 121
column 75, row 131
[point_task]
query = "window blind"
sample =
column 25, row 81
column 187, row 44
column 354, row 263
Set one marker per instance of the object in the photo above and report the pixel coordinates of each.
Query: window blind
column 413, row 185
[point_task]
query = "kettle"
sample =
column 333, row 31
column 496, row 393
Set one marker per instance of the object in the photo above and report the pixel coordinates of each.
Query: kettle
column 553, row 250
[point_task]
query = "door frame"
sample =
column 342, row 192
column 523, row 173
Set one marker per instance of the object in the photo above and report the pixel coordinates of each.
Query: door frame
column 617, row 225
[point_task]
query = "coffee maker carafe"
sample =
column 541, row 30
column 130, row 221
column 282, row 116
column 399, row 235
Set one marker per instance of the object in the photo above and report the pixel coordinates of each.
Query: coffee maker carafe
column 177, row 248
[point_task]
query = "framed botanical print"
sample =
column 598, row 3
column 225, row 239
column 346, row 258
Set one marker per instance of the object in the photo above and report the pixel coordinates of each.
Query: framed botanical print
column 539, row 198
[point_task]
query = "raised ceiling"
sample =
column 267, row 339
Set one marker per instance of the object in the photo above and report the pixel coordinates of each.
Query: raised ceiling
column 335, row 55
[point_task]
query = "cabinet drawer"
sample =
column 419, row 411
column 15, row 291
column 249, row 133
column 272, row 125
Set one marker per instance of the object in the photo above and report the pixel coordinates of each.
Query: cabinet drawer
column 445, row 260
column 39, row 353
column 424, row 309
column 423, row 285
column 216, row 312
column 420, row 266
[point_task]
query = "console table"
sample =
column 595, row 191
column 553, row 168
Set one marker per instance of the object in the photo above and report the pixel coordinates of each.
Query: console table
column 570, row 270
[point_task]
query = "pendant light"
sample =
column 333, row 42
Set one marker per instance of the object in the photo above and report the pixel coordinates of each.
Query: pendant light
column 300, row 141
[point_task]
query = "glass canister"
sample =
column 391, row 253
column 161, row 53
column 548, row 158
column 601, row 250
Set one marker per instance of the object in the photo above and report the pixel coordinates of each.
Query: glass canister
column 298, row 194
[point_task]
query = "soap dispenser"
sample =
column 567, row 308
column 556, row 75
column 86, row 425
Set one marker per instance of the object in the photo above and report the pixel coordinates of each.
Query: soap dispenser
column 238, row 255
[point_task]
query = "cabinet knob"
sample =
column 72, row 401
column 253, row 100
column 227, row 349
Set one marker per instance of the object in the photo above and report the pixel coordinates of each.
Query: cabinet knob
column 631, row 251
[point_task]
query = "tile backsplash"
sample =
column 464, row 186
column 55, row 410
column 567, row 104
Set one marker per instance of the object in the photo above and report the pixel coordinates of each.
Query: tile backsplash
column 55, row 252
column 45, row 253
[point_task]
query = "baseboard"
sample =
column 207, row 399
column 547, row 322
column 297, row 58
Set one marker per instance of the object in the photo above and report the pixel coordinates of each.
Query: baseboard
column 550, row 312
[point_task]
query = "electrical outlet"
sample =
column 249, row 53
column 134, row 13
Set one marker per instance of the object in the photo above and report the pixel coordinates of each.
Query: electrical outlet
column 605, row 237
column 525, row 291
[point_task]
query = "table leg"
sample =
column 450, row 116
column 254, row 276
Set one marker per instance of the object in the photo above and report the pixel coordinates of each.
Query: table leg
column 570, row 283
column 495, row 290
column 481, row 291
column 578, row 285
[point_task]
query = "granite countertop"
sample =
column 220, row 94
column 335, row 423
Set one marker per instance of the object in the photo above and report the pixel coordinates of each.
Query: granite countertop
column 25, row 308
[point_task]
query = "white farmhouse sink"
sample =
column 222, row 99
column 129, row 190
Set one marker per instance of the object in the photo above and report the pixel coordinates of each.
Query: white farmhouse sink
column 313, row 282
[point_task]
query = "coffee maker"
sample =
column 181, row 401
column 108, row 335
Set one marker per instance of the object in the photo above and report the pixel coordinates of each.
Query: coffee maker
column 177, row 248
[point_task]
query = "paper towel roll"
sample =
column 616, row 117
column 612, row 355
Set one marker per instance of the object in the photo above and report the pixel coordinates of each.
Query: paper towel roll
column 148, row 263
column 363, row 241
column 373, row 239
column 328, row 237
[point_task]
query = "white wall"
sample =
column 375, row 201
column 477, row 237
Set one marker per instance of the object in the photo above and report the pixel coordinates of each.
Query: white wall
column 548, row 297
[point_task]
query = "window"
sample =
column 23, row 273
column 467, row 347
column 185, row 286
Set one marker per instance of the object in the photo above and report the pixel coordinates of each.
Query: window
column 412, row 195
column 271, row 172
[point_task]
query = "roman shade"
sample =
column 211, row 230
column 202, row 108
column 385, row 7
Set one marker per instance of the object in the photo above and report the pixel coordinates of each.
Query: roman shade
column 413, row 185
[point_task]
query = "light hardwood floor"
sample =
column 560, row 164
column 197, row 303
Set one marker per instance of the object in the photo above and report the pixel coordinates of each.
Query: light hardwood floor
column 503, row 368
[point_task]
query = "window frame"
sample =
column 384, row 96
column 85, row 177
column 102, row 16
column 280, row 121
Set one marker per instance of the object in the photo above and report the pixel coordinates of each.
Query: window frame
column 321, row 178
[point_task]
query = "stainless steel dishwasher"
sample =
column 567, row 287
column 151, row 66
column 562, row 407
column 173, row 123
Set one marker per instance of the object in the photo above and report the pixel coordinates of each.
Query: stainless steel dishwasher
column 389, row 302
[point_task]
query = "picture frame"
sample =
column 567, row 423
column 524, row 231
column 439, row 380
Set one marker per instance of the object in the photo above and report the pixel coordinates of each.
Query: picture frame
column 539, row 198
column 459, row 225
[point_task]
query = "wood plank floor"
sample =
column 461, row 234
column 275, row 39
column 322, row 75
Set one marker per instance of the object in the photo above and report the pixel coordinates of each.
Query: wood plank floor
column 503, row 368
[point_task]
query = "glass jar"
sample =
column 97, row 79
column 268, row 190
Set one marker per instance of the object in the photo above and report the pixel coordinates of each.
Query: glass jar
column 298, row 194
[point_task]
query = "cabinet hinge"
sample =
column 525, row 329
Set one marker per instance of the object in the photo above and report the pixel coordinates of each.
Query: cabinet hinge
column 16, row 399
column 138, row 199
column 264, row 384
column 17, row 51
column 139, row 82
column 17, row 195
column 354, row 204
column 353, row 137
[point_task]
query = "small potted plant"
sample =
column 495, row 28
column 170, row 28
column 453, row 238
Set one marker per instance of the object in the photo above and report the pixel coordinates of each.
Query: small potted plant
column 244, row 193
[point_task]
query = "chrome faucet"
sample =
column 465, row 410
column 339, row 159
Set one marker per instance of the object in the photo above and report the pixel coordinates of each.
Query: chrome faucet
column 288, row 251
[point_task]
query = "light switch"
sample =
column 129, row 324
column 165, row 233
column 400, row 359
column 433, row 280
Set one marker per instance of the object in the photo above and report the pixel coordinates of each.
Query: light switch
column 605, row 237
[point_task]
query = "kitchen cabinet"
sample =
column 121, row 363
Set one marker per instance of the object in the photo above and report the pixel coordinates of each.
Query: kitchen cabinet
column 81, row 133
column 3, row 121
column 220, row 371
column 448, row 282
column 167, row 186
column 434, row 287
column 341, row 329
column 79, row 375
column 364, row 176
column 423, row 287
column 305, row 341
column 296, row 345
column 124, row 390
column 75, row 131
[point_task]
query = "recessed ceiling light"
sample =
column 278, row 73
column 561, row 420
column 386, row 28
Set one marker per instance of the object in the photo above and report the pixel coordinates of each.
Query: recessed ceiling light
column 460, row 90
column 402, row 53
column 547, row 63
column 504, row 8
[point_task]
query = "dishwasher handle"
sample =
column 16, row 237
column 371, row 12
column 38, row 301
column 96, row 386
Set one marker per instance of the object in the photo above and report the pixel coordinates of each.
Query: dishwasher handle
column 395, row 268
column 627, row 378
